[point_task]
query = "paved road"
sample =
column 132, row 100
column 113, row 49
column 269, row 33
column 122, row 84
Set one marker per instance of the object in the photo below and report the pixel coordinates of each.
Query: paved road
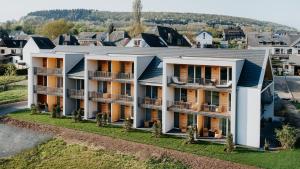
column 9, row 108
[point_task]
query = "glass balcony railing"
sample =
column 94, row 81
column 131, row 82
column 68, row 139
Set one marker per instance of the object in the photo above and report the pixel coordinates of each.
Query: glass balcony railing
column 48, row 90
column 48, row 71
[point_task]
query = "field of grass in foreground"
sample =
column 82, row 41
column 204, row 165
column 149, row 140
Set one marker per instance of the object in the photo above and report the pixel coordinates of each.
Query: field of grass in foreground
column 56, row 154
column 15, row 93
column 273, row 160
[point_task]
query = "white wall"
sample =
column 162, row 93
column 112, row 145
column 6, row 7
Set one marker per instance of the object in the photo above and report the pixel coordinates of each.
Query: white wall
column 208, row 40
column 248, row 117
column 142, row 43
column 29, row 48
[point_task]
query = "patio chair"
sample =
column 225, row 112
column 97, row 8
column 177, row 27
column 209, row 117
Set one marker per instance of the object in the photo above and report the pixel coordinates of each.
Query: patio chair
column 176, row 81
column 229, row 83
column 218, row 134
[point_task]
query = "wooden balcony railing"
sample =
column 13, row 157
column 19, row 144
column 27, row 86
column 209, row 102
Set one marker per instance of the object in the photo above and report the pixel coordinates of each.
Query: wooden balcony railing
column 100, row 75
column 48, row 71
column 76, row 94
column 123, row 76
column 150, row 103
column 123, row 99
column 198, row 82
column 100, row 97
column 192, row 107
column 48, row 90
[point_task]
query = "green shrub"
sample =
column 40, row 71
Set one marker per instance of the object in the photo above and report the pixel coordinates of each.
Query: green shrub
column 157, row 129
column 77, row 115
column 287, row 136
column 22, row 72
column 54, row 113
column 190, row 139
column 127, row 125
column 229, row 147
column 34, row 109
column 99, row 120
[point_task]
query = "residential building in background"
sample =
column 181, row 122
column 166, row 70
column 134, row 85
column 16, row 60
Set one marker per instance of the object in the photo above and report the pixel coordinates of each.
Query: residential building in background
column 218, row 91
column 147, row 40
column 233, row 33
column 11, row 51
column 66, row 40
column 204, row 40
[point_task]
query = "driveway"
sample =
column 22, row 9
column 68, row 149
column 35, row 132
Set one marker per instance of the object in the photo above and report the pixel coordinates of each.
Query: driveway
column 9, row 108
column 13, row 140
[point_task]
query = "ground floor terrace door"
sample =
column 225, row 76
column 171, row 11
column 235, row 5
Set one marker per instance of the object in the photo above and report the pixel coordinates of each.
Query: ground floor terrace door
column 176, row 120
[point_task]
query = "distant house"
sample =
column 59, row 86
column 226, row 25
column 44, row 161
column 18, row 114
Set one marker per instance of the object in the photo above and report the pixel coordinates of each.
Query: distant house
column 233, row 33
column 36, row 44
column 15, row 34
column 11, row 50
column 147, row 40
column 172, row 37
column 204, row 40
column 118, row 38
column 66, row 40
column 91, row 38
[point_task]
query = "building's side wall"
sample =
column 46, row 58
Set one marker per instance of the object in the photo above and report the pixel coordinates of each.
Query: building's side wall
column 248, row 117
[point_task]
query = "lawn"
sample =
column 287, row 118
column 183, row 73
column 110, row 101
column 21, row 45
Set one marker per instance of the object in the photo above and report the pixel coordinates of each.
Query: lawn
column 56, row 154
column 274, row 160
column 13, row 94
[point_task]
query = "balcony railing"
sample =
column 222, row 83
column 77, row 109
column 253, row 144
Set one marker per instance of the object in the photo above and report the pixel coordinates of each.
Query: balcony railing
column 48, row 90
column 100, row 75
column 205, row 109
column 100, row 97
column 48, row 71
column 123, row 76
column 123, row 99
column 76, row 94
column 198, row 82
column 150, row 103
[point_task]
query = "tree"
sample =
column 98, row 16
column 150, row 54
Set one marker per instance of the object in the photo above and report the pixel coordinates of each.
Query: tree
column 55, row 28
column 111, row 28
column 287, row 136
column 9, row 76
column 137, row 26
column 3, row 33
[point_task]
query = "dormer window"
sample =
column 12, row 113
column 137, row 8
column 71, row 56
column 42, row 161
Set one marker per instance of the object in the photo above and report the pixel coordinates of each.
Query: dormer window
column 203, row 35
column 137, row 43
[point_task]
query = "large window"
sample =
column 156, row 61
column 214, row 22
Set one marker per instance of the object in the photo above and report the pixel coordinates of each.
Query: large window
column 207, row 72
column 289, row 51
column 148, row 114
column 126, row 89
column 180, row 94
column 102, row 87
column 59, row 82
column 177, row 70
column 79, row 84
column 212, row 98
column 224, row 74
column 151, row 92
column 194, row 74
column 190, row 120
column 191, row 74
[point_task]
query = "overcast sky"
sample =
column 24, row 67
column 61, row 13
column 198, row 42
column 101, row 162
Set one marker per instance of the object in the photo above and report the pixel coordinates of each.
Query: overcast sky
column 280, row 11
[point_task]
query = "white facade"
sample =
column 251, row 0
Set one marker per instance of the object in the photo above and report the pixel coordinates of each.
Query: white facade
column 137, row 42
column 244, row 106
column 204, row 39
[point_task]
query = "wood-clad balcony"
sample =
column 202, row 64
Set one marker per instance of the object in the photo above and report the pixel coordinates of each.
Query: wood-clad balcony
column 100, row 97
column 123, row 99
column 100, row 75
column 76, row 94
column 48, row 90
column 150, row 103
column 220, row 111
column 197, row 83
column 48, row 71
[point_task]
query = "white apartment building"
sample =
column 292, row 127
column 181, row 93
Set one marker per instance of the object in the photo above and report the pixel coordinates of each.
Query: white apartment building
column 218, row 91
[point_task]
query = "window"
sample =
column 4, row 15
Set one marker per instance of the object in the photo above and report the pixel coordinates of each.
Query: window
column 289, row 51
column 109, row 66
column 44, row 62
column 148, row 115
column 198, row 73
column 79, row 84
column 203, row 35
column 159, row 115
column 224, row 73
column 190, row 121
column 59, row 82
column 230, row 73
column 102, row 87
column 132, row 68
column 126, row 89
column 179, row 42
column 122, row 113
column 151, row 92
column 277, row 51
column 122, row 67
column 180, row 94
column 207, row 72
column 100, row 66
column 212, row 98
column 191, row 74
column 207, row 122
column 177, row 70
column 2, row 51
column 137, row 43
column 298, row 51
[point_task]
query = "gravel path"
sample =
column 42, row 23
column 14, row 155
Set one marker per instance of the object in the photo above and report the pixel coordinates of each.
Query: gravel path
column 14, row 140
column 141, row 151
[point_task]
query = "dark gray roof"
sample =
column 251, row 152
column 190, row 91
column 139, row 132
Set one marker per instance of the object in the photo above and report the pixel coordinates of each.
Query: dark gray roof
column 66, row 40
column 43, row 42
column 153, row 73
column 77, row 71
column 171, row 36
column 153, row 40
column 9, row 43
column 265, row 39
column 250, row 75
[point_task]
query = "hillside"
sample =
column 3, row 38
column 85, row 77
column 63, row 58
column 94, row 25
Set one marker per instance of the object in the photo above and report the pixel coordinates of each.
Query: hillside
column 95, row 17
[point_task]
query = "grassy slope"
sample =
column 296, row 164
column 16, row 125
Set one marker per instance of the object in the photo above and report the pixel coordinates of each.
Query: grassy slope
column 274, row 160
column 55, row 154
column 14, row 94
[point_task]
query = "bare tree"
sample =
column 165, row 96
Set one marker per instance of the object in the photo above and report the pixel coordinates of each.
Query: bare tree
column 137, row 26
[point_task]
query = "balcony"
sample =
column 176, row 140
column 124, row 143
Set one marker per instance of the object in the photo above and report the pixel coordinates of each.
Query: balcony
column 123, row 99
column 221, row 111
column 123, row 77
column 100, row 97
column 100, row 75
column 48, row 71
column 76, row 94
column 196, row 83
column 150, row 103
column 48, row 90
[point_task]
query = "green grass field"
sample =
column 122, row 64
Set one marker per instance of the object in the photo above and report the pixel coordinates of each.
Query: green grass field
column 273, row 160
column 56, row 154
column 13, row 94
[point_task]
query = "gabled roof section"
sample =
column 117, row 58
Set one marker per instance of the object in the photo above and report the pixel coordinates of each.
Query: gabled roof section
column 153, row 40
column 171, row 36
column 9, row 43
column 66, row 40
column 205, row 32
column 77, row 71
column 153, row 73
column 43, row 42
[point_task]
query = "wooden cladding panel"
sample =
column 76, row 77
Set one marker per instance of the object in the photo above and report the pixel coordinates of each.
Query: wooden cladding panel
column 128, row 67
column 159, row 92
column 154, row 115
column 215, row 73
column 183, row 71
column 224, row 101
column 182, row 120
column 115, row 66
column 115, row 113
column 191, row 95
column 128, row 112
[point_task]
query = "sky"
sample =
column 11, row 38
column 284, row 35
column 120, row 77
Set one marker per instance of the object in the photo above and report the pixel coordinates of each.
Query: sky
column 279, row 11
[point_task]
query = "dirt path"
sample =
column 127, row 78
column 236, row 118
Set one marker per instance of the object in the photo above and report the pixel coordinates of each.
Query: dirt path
column 141, row 151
